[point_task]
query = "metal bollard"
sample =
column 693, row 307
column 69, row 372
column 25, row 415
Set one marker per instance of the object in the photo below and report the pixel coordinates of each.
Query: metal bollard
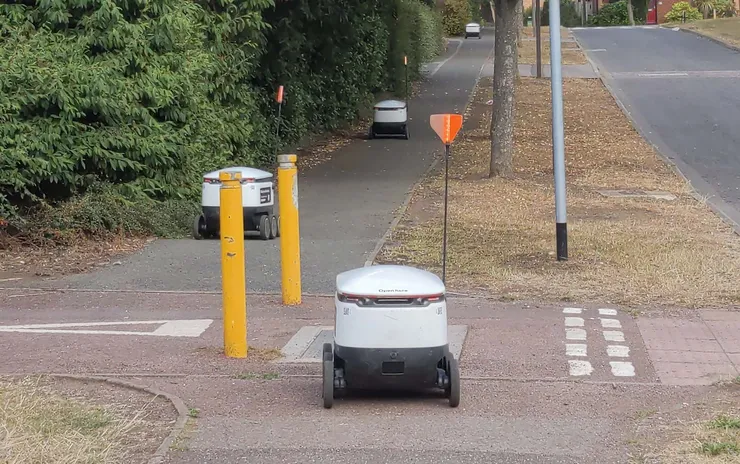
column 290, row 242
column 233, row 273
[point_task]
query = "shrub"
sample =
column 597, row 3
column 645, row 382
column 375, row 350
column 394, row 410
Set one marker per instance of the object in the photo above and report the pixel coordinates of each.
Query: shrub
column 456, row 15
column 613, row 14
column 676, row 14
column 526, row 14
column 569, row 16
column 146, row 96
column 725, row 8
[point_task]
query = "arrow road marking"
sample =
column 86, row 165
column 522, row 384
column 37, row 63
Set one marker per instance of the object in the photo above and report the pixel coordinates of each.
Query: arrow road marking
column 183, row 328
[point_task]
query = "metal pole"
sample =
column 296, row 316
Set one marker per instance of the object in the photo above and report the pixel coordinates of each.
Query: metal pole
column 444, row 229
column 290, row 244
column 233, row 273
column 558, row 144
column 538, row 37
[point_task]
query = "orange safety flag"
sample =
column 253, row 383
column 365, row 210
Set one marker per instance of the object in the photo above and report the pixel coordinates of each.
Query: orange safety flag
column 446, row 126
column 280, row 94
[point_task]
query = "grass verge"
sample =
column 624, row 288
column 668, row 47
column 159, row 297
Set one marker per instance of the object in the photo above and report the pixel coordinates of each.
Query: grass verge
column 726, row 30
column 38, row 425
column 628, row 251
column 706, row 431
column 528, row 48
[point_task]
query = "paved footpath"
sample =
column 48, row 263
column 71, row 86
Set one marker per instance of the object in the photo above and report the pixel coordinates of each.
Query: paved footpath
column 551, row 384
column 346, row 205
column 681, row 91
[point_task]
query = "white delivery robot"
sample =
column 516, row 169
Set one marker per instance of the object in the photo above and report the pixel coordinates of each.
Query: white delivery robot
column 390, row 118
column 472, row 30
column 390, row 331
column 258, row 199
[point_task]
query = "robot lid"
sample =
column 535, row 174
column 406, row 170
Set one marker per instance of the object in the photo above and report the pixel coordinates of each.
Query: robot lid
column 390, row 105
column 247, row 173
column 389, row 280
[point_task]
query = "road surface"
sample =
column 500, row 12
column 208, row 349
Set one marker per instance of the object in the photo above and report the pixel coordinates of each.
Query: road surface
column 541, row 383
column 683, row 93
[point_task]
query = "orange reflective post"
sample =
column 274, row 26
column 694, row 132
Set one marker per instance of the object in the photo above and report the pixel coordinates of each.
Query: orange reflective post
column 446, row 126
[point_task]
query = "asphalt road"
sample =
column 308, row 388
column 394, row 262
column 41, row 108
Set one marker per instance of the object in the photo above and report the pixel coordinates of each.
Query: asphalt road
column 683, row 93
column 346, row 204
column 520, row 400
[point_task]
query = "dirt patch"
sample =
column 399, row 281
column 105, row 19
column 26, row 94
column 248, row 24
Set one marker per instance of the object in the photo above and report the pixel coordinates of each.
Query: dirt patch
column 703, row 431
column 570, row 52
column 18, row 260
column 45, row 420
column 726, row 30
column 628, row 251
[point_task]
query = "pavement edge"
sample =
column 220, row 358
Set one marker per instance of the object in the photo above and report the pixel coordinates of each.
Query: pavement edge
column 179, row 405
column 409, row 195
column 726, row 212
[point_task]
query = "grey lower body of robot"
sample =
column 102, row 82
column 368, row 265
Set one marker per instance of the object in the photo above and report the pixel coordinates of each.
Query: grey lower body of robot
column 256, row 219
column 399, row 369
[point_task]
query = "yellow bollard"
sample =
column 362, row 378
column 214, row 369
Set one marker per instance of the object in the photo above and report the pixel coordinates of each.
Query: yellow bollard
column 290, row 245
column 232, row 265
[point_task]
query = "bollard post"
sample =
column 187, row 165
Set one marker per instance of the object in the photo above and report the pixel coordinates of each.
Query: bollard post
column 233, row 274
column 290, row 243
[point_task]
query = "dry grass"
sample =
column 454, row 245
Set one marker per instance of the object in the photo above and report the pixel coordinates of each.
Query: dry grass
column 626, row 251
column 724, row 29
column 707, row 432
column 571, row 54
column 39, row 427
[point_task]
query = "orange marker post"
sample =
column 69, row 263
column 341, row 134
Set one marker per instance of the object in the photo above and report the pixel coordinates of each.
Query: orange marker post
column 446, row 126
column 279, row 99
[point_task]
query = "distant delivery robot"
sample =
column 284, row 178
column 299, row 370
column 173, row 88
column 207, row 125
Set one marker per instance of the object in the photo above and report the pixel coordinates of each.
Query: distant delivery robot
column 390, row 332
column 472, row 30
column 258, row 201
column 390, row 117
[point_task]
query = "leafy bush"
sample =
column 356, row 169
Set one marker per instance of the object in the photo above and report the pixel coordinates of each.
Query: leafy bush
column 146, row 96
column 614, row 14
column 724, row 8
column 526, row 14
column 456, row 15
column 676, row 14
column 569, row 16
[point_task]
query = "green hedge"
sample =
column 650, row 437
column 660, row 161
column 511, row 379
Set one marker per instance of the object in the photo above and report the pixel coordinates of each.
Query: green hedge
column 146, row 95
column 615, row 14
column 569, row 17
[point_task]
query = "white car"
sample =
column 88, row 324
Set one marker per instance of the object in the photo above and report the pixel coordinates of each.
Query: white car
column 472, row 30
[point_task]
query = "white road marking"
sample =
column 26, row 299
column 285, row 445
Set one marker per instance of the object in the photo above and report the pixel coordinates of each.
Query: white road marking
column 663, row 74
column 574, row 322
column 614, row 335
column 580, row 368
column 11, row 279
column 611, row 323
column 596, row 50
column 182, row 328
column 572, row 310
column 607, row 312
column 622, row 368
column 575, row 334
column 618, row 351
column 575, row 349
column 442, row 63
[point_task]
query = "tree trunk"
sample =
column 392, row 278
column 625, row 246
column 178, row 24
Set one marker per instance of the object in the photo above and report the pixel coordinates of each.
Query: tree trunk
column 630, row 13
column 519, row 21
column 493, row 12
column 504, row 79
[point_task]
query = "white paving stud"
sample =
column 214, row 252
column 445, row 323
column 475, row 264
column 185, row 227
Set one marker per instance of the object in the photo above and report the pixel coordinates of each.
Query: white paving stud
column 618, row 351
column 611, row 323
column 575, row 349
column 607, row 312
column 572, row 310
column 622, row 368
column 575, row 334
column 614, row 335
column 580, row 368
column 574, row 322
